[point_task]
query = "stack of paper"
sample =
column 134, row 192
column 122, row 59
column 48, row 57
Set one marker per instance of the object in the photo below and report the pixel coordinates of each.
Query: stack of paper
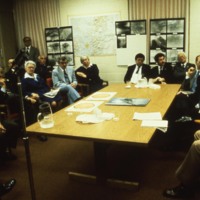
column 153, row 119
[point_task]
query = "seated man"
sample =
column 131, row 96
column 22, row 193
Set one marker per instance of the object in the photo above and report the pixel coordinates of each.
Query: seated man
column 163, row 72
column 187, row 173
column 9, row 130
column 64, row 78
column 138, row 70
column 181, row 67
column 43, row 68
column 88, row 73
column 7, row 187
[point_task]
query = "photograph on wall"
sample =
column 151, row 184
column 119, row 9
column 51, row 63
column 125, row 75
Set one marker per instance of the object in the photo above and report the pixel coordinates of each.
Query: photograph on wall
column 172, row 55
column 52, row 34
column 53, row 47
column 175, row 26
column 122, row 28
column 138, row 27
column 175, row 41
column 65, row 33
column 59, row 41
column 66, row 47
column 158, row 26
column 121, row 42
column 158, row 41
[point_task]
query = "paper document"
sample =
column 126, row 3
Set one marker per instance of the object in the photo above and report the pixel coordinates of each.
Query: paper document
column 147, row 116
column 155, row 123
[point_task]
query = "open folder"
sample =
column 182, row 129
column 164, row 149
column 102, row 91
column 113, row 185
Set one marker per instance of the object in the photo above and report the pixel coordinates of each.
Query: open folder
column 128, row 101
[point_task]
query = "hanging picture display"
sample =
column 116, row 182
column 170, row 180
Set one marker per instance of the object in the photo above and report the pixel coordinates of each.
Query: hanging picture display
column 167, row 36
column 59, row 42
column 130, row 40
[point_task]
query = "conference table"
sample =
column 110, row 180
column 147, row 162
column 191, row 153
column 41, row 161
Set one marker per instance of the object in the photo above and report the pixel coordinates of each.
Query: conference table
column 124, row 131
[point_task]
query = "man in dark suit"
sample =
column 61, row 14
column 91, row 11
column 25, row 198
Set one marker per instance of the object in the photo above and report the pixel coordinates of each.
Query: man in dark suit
column 181, row 67
column 187, row 173
column 138, row 70
column 163, row 72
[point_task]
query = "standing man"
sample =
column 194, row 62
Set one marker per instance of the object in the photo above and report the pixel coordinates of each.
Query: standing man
column 163, row 72
column 181, row 67
column 88, row 73
column 138, row 70
column 64, row 78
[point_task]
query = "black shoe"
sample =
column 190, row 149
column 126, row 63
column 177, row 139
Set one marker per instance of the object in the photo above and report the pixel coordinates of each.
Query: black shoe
column 42, row 138
column 7, row 156
column 178, row 192
column 7, row 187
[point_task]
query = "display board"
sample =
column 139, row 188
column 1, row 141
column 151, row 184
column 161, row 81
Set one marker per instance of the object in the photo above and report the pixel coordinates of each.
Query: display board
column 59, row 42
column 131, row 39
column 167, row 36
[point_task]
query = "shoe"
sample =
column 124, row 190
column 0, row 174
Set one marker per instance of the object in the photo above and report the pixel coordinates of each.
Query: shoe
column 178, row 192
column 7, row 156
column 184, row 119
column 42, row 138
column 7, row 187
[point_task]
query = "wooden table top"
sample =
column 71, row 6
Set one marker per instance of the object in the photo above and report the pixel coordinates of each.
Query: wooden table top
column 126, row 130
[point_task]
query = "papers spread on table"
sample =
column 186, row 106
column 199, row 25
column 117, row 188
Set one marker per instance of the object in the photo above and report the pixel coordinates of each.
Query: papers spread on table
column 84, row 106
column 147, row 116
column 128, row 101
column 101, row 96
column 152, row 119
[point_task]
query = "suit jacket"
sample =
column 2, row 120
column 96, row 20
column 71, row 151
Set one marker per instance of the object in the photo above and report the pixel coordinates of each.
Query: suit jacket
column 146, row 70
column 166, row 73
column 59, row 78
column 33, row 53
column 3, row 98
column 179, row 72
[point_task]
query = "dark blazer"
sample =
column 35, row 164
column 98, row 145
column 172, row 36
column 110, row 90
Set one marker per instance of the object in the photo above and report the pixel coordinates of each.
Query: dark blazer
column 30, row 85
column 179, row 72
column 33, row 53
column 146, row 70
column 166, row 73
column 93, row 78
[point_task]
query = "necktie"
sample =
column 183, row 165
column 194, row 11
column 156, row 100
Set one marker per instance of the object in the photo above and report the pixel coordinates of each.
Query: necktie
column 138, row 69
column 27, row 50
column 66, row 77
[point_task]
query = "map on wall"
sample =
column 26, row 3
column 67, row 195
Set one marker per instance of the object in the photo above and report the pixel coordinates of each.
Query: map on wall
column 94, row 35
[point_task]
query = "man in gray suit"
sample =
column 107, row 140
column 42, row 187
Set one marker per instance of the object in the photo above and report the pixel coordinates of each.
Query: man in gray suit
column 64, row 78
column 188, row 172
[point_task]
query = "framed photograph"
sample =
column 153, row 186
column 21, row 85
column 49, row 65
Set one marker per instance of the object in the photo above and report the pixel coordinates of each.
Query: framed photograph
column 65, row 33
column 121, row 42
column 158, row 26
column 59, row 42
column 158, row 42
column 175, row 26
column 52, row 34
column 138, row 27
column 175, row 41
column 172, row 55
column 53, row 47
column 122, row 28
column 66, row 47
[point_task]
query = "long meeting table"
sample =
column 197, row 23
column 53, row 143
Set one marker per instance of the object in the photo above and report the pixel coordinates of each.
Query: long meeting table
column 123, row 131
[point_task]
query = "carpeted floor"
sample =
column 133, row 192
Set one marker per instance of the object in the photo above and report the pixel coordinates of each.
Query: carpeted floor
column 52, row 160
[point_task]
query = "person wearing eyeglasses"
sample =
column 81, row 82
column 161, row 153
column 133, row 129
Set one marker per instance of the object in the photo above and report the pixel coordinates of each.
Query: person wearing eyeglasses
column 63, row 77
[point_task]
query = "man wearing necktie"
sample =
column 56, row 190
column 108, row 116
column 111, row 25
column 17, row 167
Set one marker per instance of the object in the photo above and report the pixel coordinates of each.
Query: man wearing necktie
column 138, row 70
column 64, row 78
column 163, row 72
column 181, row 67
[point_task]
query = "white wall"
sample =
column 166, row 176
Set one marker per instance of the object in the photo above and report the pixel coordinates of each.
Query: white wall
column 194, row 26
column 107, row 64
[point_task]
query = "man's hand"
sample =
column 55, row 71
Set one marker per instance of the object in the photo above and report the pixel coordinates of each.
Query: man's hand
column 2, row 129
column 81, row 74
column 73, row 85
column 35, row 96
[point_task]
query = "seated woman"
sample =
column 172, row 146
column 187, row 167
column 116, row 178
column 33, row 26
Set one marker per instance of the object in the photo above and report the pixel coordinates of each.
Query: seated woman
column 34, row 88
column 88, row 73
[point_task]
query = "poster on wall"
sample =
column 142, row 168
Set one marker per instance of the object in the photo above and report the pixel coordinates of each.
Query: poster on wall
column 167, row 36
column 131, row 40
column 59, row 42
